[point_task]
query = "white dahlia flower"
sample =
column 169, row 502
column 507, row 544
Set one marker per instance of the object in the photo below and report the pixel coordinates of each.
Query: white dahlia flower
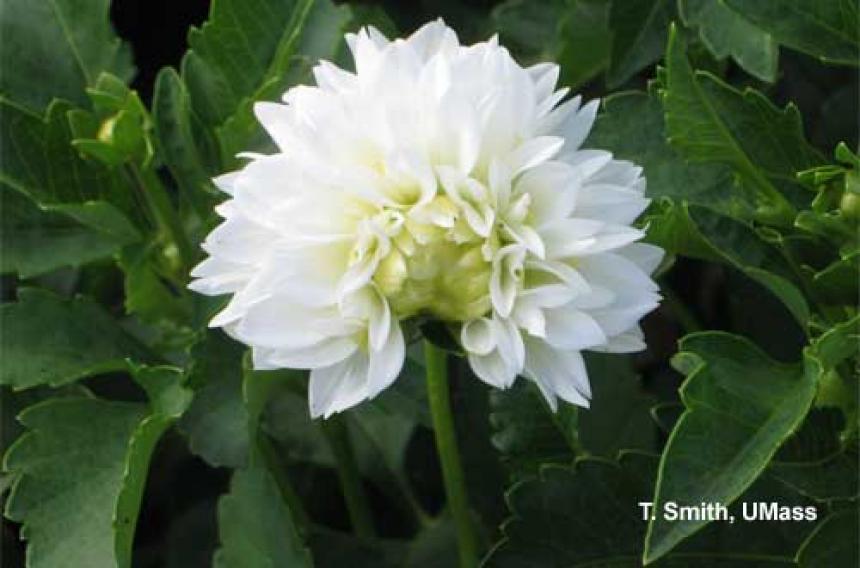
column 436, row 180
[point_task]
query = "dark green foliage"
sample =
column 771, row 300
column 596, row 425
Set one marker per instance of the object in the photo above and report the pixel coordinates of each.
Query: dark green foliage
column 133, row 435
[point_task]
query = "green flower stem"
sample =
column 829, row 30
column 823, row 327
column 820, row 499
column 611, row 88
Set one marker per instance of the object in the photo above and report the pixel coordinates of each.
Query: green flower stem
column 158, row 202
column 446, row 446
column 350, row 480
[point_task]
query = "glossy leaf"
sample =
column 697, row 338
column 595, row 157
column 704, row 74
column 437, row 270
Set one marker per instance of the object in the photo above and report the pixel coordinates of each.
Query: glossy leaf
column 710, row 121
column 48, row 340
column 836, row 542
column 528, row 434
column 826, row 29
column 189, row 150
column 638, row 34
column 216, row 423
column 37, row 159
column 589, row 515
column 36, row 240
column 225, row 74
column 726, row 33
column 67, row 43
column 81, row 469
column 745, row 405
column 256, row 526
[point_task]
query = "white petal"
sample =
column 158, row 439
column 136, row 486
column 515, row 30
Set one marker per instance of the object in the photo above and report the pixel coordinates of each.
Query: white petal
column 491, row 369
column 324, row 353
column 339, row 386
column 572, row 329
column 645, row 256
column 534, row 152
column 559, row 372
column 506, row 275
column 477, row 337
column 386, row 362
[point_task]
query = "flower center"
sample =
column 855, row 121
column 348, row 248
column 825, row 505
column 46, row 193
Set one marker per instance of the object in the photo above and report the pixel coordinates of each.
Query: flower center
column 434, row 265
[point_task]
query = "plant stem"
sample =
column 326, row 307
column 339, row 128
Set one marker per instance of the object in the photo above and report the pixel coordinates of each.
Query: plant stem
column 162, row 209
column 350, row 480
column 446, row 446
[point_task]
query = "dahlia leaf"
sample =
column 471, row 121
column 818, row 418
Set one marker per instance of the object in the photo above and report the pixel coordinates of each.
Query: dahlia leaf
column 83, row 340
column 712, row 122
column 726, row 33
column 225, row 74
column 814, row 461
column 528, row 434
column 834, row 477
column 589, row 514
column 216, row 423
column 585, row 41
column 256, row 526
column 708, row 218
column 37, row 159
column 81, row 468
column 824, row 29
column 12, row 403
column 698, row 232
column 575, row 34
column 188, row 149
column 618, row 417
column 632, row 127
column 147, row 294
column 529, row 28
column 639, row 30
column 754, row 402
column 37, row 240
column 67, row 45
column 838, row 282
column 834, row 542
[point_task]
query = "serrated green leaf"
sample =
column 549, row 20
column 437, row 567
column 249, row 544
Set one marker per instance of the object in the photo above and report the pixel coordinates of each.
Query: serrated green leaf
column 725, row 34
column 835, row 477
column 835, row 542
column 37, row 159
column 57, row 48
column 47, row 340
column 589, row 515
column 225, row 73
column 631, row 126
column 216, row 423
column 34, row 241
column 710, row 121
column 638, row 34
column 826, row 29
column 585, row 41
column 618, row 417
column 752, row 401
column 256, row 526
column 701, row 233
column 708, row 218
column 528, row 434
column 574, row 33
column 81, row 469
column 147, row 293
column 188, row 149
